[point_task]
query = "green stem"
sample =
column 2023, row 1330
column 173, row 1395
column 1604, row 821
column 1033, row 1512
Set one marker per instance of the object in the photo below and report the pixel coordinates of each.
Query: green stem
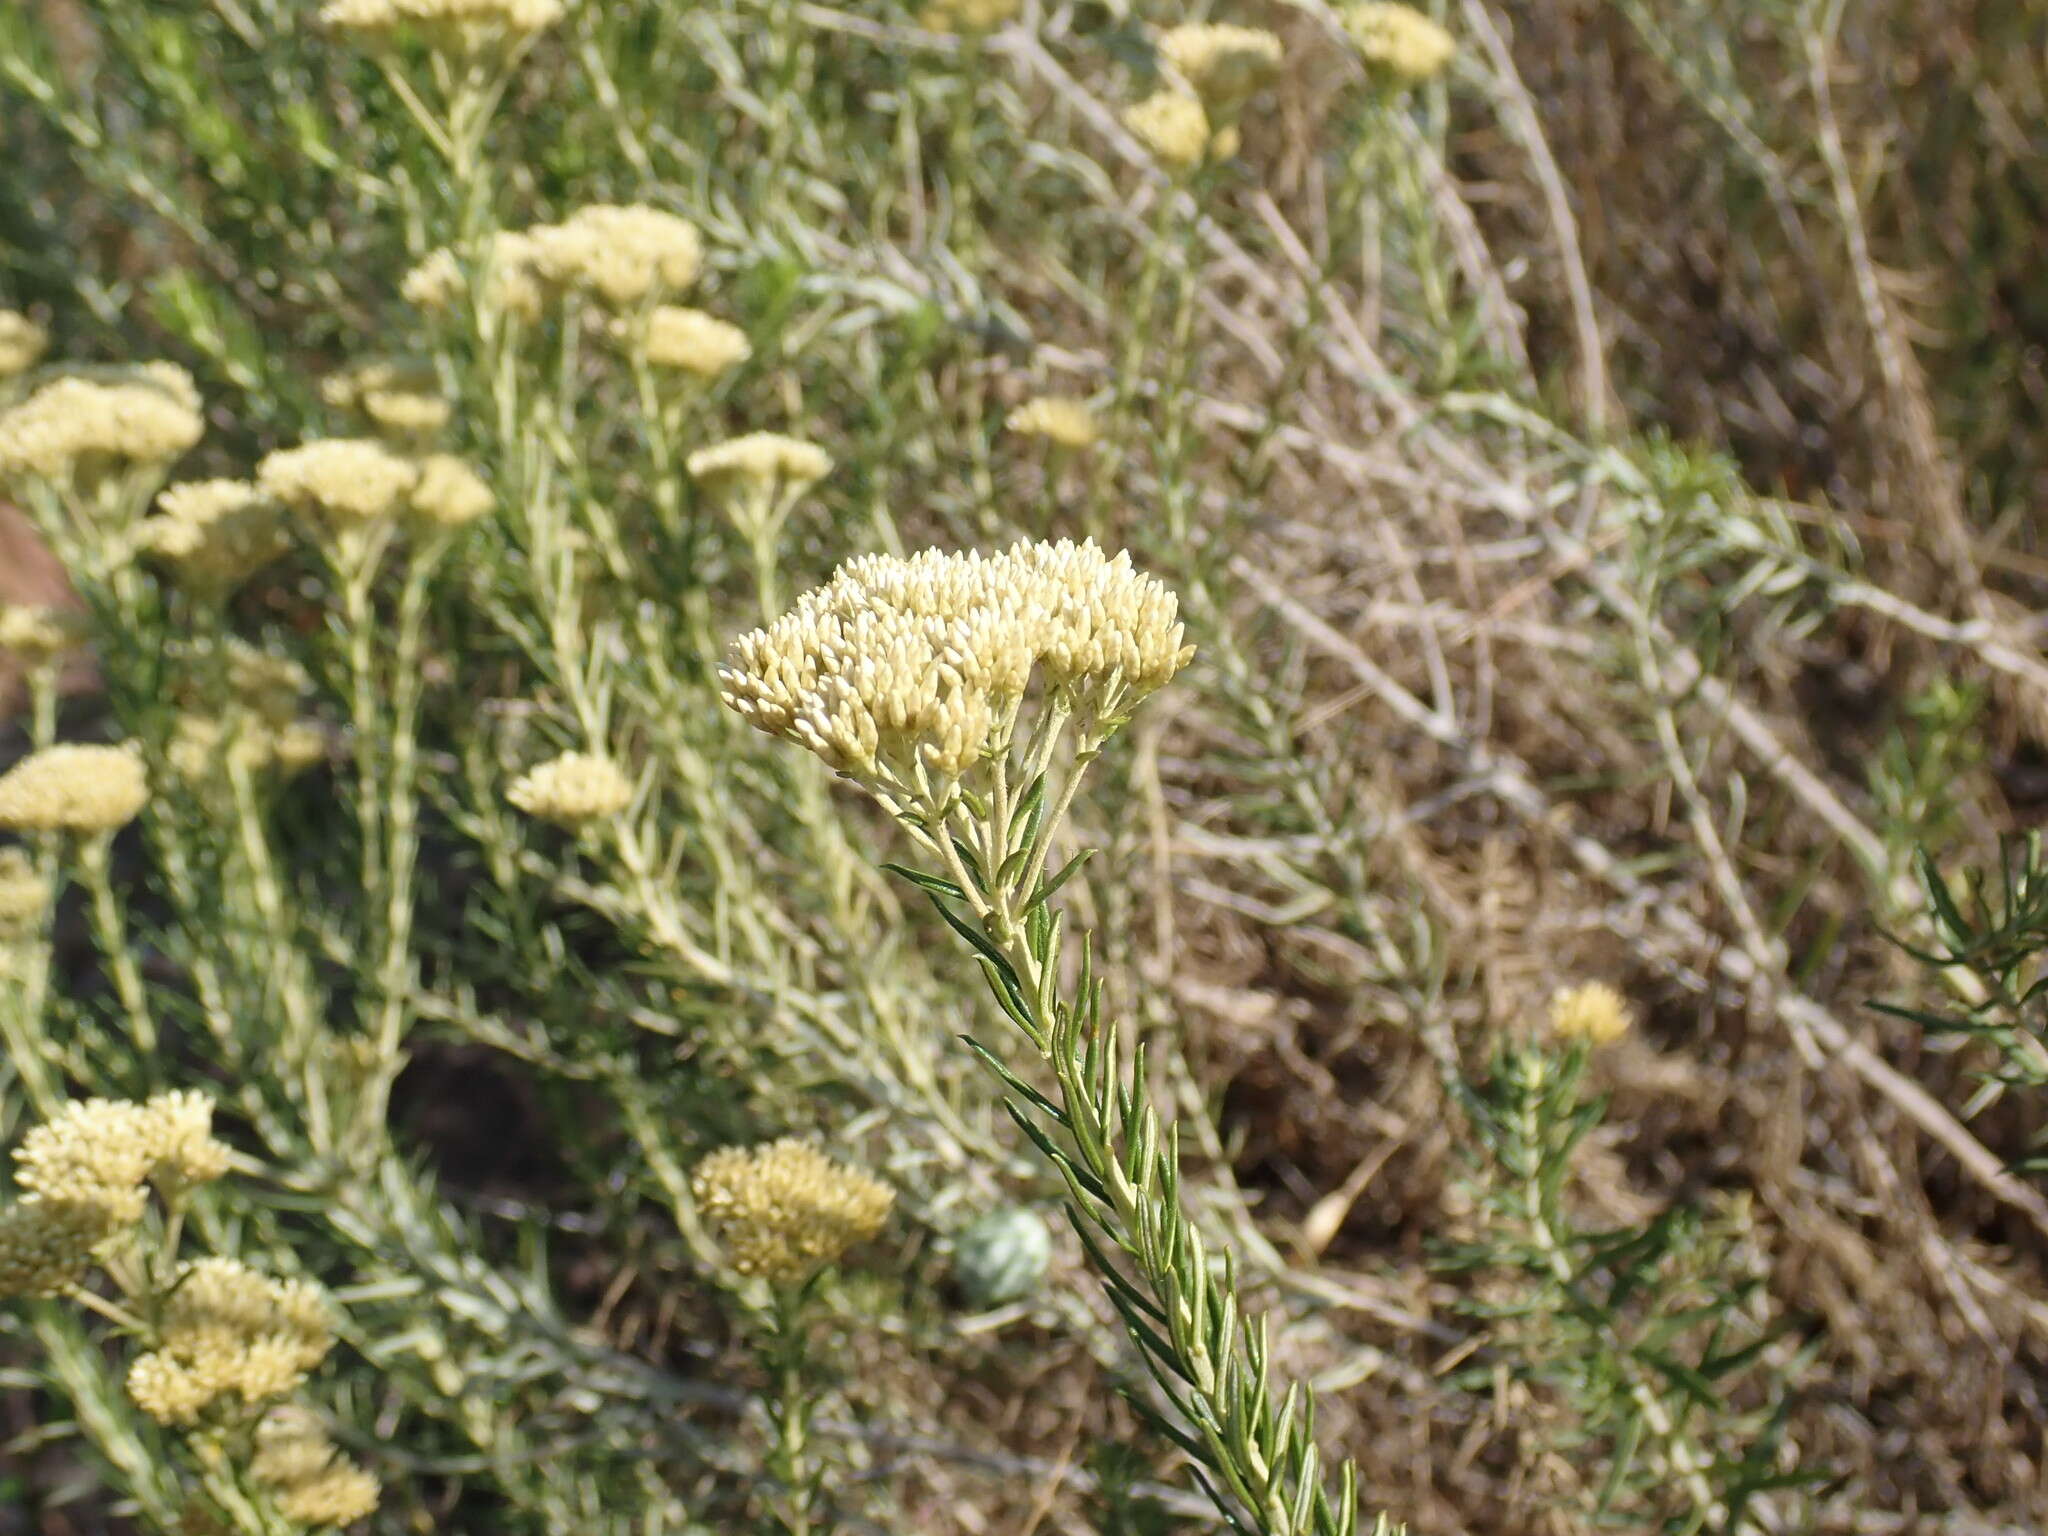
column 110, row 932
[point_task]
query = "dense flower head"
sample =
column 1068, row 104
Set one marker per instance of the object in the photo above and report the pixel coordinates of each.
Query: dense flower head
column 620, row 254
column 100, row 1152
column 449, row 493
column 22, row 343
column 967, row 16
column 1058, row 419
column 465, row 26
column 899, row 667
column 691, row 341
column 784, row 1210
column 37, row 635
column 202, row 745
column 762, row 459
column 228, row 1330
column 1592, row 1011
column 1221, row 63
column 1173, row 127
column 212, row 535
column 572, row 789
column 400, row 395
column 46, row 1246
column 1399, row 40
column 351, row 479
column 73, row 789
column 438, row 282
column 78, row 424
column 24, row 894
column 311, row 1481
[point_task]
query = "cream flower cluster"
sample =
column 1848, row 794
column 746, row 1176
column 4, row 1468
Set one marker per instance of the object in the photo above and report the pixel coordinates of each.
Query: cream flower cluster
column 1058, row 419
column 573, row 789
column 901, row 668
column 24, row 894
column 761, row 459
column 359, row 480
column 309, row 1479
column 1399, row 40
column 1593, row 1012
column 1221, row 63
column 226, row 1329
column 213, row 535
column 1175, row 130
column 466, row 26
column 83, row 1178
column 621, row 254
column 690, row 341
column 785, row 1210
column 400, row 395
column 38, row 635
column 74, row 425
column 201, row 744
column 82, row 789
column 509, row 284
column 22, row 343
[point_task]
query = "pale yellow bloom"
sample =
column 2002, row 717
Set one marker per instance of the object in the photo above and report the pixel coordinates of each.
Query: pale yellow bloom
column 214, row 534
column 270, row 685
column 351, row 479
column 438, row 282
column 22, row 343
column 39, row 635
column 1173, row 127
column 312, row 1482
column 24, row 894
column 573, row 789
column 400, row 395
column 1399, row 40
column 785, row 1210
column 46, row 1247
column 897, row 668
column 97, row 1154
column 693, row 342
column 75, row 425
column 1593, row 1012
column 1056, row 418
column 450, row 493
column 463, row 26
column 228, row 1330
column 761, row 459
column 1222, row 64
column 967, row 15
column 620, row 254
column 73, row 789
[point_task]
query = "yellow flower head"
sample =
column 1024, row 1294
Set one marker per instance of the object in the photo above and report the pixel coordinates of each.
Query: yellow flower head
column 693, row 342
column 438, row 282
column 228, row 1330
column 39, row 635
column 450, row 493
column 312, row 1482
column 1399, row 41
column 1173, row 126
column 573, row 789
column 967, row 16
column 1593, row 1012
column 22, row 343
column 900, row 667
column 456, row 26
column 620, row 254
column 785, row 1210
column 400, row 395
column 1058, row 419
column 78, row 426
column 351, row 479
column 24, row 894
column 213, row 535
column 46, row 1247
column 73, row 789
column 1222, row 64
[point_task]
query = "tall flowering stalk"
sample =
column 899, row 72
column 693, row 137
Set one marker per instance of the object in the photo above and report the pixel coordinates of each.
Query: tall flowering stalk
column 968, row 695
